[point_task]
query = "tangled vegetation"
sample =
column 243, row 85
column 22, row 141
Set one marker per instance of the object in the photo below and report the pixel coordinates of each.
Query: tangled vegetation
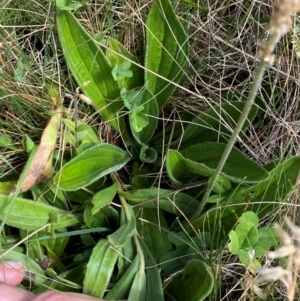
column 143, row 143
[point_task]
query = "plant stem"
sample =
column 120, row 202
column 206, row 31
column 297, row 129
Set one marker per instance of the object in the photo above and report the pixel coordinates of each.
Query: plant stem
column 266, row 59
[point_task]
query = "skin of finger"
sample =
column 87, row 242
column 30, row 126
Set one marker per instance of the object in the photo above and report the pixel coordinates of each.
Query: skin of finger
column 10, row 275
column 58, row 296
column 11, row 293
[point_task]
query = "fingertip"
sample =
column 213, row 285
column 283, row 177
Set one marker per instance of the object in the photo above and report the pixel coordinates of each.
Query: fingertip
column 11, row 272
column 13, row 264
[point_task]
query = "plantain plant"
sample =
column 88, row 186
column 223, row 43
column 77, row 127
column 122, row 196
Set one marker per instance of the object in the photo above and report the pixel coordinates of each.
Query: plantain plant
column 142, row 239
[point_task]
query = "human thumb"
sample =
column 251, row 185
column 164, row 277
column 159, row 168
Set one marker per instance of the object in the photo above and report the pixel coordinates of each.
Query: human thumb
column 11, row 272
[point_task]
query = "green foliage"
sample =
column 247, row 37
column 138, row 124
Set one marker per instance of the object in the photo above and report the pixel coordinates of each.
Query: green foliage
column 145, row 190
column 249, row 242
column 202, row 159
column 89, row 166
column 67, row 5
column 194, row 283
column 166, row 51
column 89, row 65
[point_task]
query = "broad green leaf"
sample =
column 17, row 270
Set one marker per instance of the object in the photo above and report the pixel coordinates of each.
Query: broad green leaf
column 6, row 142
column 234, row 245
column 89, row 65
column 267, row 239
column 202, row 159
column 247, row 234
column 121, row 236
column 99, row 269
column 62, row 3
column 221, row 186
column 138, row 288
column 154, row 290
column 67, row 5
column 91, row 165
column 103, row 198
column 166, row 200
column 177, row 166
column 215, row 124
column 166, row 51
column 250, row 217
column 30, row 215
column 117, row 54
column 154, row 234
column 143, row 123
column 121, row 289
column 194, row 283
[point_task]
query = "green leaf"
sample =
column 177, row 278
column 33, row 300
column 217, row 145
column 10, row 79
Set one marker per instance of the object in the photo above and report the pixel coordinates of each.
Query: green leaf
column 202, row 159
column 67, row 5
column 249, row 217
column 154, row 290
column 153, row 234
column 103, row 198
column 221, row 186
column 130, row 98
column 27, row 143
column 29, row 215
column 234, row 245
column 117, row 54
column 247, row 234
column 167, row 200
column 267, row 239
column 62, row 3
column 138, row 288
column 138, row 119
column 5, row 141
column 120, row 237
column 121, row 289
column 194, row 283
column 91, row 165
column 177, row 166
column 88, row 64
column 143, row 122
column 166, row 51
column 244, row 257
column 99, row 269
column 215, row 124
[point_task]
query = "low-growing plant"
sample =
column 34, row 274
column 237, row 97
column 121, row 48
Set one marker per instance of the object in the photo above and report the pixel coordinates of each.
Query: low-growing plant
column 146, row 202
column 249, row 242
